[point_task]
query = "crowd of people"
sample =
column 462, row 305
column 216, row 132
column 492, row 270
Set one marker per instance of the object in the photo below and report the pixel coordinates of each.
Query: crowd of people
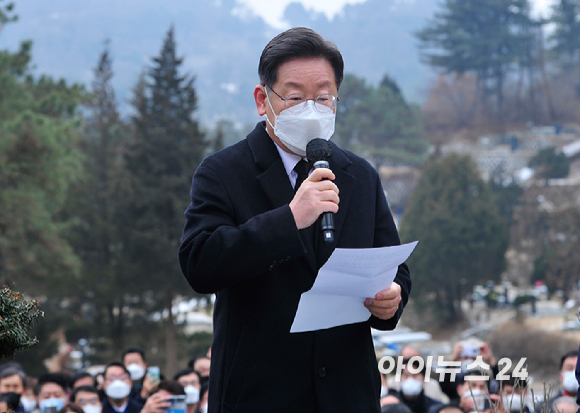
column 124, row 386
column 414, row 385
column 473, row 380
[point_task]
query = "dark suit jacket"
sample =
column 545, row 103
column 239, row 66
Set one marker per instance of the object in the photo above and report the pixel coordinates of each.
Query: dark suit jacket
column 132, row 407
column 241, row 242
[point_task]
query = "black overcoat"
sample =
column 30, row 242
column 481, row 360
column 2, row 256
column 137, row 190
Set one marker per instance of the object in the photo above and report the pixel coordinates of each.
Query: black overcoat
column 240, row 242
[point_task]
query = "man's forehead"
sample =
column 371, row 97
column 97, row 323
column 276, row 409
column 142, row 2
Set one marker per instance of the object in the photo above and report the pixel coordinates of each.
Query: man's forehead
column 133, row 357
column 14, row 377
column 115, row 370
column 51, row 387
column 188, row 377
column 570, row 361
column 202, row 360
column 86, row 394
column 301, row 72
column 297, row 84
column 476, row 383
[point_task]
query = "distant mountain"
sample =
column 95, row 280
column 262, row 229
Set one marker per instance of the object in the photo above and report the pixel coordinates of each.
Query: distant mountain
column 220, row 41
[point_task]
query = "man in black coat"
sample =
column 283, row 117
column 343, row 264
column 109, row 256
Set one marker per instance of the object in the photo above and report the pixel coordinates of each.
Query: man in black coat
column 251, row 237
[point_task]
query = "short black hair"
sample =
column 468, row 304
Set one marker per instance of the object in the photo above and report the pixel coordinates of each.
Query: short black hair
column 118, row 364
column 170, row 386
column 396, row 408
column 79, row 376
column 72, row 407
column 192, row 360
column 57, row 378
column 130, row 350
column 442, row 407
column 296, row 43
column 88, row 389
column 567, row 355
column 185, row 372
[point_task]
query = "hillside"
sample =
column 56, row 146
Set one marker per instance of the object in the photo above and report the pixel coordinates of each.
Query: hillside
column 220, row 40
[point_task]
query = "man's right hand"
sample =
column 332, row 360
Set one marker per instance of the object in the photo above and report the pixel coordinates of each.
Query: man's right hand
column 158, row 403
column 148, row 386
column 315, row 197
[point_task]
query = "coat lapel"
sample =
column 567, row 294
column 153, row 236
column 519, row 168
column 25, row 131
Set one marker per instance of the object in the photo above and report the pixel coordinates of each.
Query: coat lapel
column 275, row 182
column 345, row 182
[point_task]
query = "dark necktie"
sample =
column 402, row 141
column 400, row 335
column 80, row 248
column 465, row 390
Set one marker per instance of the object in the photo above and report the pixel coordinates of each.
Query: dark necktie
column 302, row 168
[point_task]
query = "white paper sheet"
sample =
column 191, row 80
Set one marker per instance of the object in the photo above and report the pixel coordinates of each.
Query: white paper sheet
column 344, row 282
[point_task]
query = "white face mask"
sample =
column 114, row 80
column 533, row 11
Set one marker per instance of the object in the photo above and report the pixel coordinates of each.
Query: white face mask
column 478, row 398
column 384, row 391
column 411, row 387
column 191, row 394
column 512, row 402
column 296, row 130
column 28, row 404
column 136, row 371
column 118, row 390
column 91, row 408
column 569, row 382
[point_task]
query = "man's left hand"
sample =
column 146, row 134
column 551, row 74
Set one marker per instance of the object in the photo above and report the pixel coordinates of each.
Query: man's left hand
column 386, row 303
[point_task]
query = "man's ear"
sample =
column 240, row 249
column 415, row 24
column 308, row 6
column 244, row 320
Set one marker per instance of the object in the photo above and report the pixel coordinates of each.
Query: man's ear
column 260, row 98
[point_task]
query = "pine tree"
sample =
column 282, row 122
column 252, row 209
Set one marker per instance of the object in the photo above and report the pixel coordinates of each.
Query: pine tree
column 39, row 159
column 484, row 37
column 218, row 141
column 167, row 147
column 6, row 14
column 462, row 238
column 94, row 202
column 566, row 36
column 379, row 122
column 17, row 315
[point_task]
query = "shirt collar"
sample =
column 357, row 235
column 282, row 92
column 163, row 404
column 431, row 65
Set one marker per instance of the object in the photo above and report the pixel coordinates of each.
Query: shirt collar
column 288, row 159
column 122, row 408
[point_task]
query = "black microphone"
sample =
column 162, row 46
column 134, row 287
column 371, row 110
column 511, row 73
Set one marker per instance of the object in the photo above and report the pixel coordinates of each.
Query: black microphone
column 318, row 151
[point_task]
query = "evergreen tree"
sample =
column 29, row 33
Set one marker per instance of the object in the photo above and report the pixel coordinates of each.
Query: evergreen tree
column 93, row 201
column 484, row 37
column 17, row 315
column 6, row 14
column 167, row 147
column 39, row 159
column 549, row 164
column 379, row 123
column 562, row 271
column 566, row 35
column 218, row 142
column 462, row 238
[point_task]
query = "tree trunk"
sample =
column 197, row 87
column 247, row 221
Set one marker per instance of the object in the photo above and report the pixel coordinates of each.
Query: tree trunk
column 499, row 97
column 546, row 81
column 115, row 321
column 170, row 336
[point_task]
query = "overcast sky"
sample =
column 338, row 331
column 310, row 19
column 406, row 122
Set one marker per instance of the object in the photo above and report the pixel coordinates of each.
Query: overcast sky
column 272, row 10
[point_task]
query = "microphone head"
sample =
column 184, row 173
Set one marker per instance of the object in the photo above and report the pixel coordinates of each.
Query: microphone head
column 318, row 150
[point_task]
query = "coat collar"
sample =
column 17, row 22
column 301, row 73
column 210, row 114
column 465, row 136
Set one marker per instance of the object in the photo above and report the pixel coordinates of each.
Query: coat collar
column 277, row 188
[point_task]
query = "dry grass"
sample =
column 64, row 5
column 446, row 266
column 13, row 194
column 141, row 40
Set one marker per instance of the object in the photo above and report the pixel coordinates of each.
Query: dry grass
column 542, row 349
